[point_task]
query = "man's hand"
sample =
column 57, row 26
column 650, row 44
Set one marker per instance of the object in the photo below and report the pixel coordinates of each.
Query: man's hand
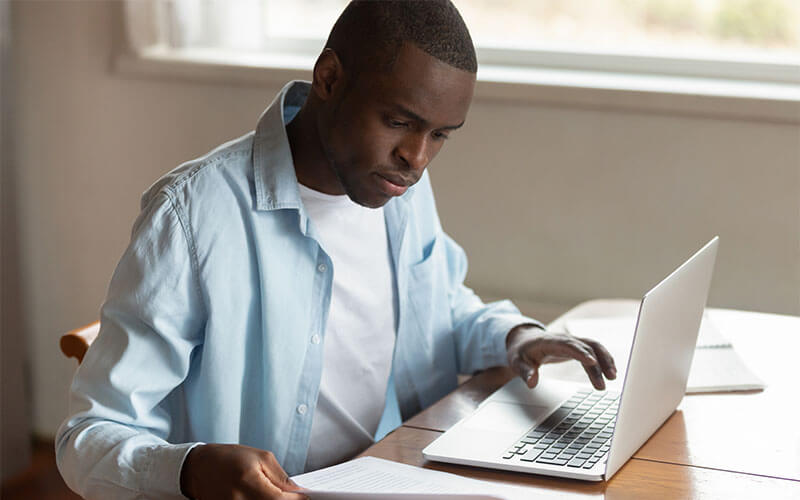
column 529, row 347
column 235, row 472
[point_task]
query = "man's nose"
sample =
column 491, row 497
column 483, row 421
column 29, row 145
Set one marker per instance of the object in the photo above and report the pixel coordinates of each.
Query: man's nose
column 414, row 151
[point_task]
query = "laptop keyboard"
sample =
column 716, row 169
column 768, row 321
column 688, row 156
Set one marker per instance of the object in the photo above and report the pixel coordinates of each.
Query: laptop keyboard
column 577, row 434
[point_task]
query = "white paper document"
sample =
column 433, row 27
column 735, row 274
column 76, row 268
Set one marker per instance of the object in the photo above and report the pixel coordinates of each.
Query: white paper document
column 716, row 366
column 375, row 478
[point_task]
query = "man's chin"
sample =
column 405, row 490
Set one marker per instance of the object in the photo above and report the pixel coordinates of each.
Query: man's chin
column 370, row 192
column 374, row 201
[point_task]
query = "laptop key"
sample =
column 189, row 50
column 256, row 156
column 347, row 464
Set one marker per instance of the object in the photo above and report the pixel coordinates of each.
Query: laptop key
column 552, row 461
column 576, row 462
column 531, row 455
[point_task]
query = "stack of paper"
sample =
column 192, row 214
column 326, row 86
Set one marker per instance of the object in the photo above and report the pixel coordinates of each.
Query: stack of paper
column 716, row 366
column 374, row 478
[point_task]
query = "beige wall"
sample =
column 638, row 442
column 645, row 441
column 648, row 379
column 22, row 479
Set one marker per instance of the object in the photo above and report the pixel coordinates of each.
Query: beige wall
column 553, row 204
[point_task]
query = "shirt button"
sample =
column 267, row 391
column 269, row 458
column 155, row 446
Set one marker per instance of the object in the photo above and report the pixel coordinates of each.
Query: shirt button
column 302, row 409
column 315, row 339
column 321, row 268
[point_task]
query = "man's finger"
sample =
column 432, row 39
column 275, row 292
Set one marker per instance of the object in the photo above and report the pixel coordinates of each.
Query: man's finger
column 263, row 487
column 604, row 357
column 573, row 348
column 529, row 373
column 591, row 364
column 293, row 496
column 596, row 376
column 276, row 488
column 576, row 349
column 275, row 473
column 270, row 490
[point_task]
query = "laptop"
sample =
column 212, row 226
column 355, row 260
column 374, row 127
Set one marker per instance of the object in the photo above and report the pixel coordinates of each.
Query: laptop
column 571, row 430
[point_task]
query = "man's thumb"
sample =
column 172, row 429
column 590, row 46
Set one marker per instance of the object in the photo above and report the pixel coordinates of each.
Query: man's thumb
column 529, row 374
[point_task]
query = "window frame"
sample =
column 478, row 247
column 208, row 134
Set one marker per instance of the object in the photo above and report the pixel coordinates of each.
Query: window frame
column 752, row 68
column 764, row 90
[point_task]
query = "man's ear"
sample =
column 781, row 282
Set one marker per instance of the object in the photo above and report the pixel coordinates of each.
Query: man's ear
column 328, row 75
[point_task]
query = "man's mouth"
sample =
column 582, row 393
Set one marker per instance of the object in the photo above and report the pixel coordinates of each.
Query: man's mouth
column 393, row 185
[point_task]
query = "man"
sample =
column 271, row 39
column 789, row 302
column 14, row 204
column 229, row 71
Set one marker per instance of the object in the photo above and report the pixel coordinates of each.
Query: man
column 292, row 293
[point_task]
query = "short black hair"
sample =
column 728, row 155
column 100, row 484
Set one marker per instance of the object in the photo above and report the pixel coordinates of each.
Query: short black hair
column 369, row 34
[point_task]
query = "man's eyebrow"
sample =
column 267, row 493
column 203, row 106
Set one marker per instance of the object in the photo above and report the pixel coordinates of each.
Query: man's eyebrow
column 410, row 114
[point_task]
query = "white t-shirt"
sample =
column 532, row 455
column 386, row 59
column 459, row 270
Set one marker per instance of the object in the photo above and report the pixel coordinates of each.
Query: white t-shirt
column 360, row 332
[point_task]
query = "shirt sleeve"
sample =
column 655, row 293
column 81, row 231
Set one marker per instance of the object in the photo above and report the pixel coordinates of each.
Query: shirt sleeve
column 114, row 442
column 480, row 329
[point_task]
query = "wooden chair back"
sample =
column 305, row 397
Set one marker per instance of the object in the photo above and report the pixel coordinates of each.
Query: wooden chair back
column 75, row 342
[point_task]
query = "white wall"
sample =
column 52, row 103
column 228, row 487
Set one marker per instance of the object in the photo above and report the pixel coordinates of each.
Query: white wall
column 553, row 204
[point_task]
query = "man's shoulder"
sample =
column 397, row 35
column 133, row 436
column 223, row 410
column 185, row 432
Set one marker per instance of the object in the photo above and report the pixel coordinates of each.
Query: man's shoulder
column 206, row 177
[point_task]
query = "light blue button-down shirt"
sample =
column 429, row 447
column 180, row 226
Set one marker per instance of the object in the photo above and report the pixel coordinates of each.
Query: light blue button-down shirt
column 206, row 330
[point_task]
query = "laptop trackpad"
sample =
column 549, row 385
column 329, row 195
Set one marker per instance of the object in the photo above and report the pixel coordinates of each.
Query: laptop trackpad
column 506, row 417
column 490, row 431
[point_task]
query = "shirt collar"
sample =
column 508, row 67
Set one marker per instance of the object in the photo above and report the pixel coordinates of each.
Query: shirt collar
column 273, row 169
column 274, row 174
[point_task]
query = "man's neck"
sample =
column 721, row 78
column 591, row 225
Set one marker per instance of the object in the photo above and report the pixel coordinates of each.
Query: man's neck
column 310, row 162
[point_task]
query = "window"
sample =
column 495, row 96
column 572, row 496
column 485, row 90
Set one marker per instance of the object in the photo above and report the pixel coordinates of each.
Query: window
column 737, row 39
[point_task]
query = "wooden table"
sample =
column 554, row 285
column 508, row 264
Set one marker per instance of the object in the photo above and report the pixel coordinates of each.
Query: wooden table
column 727, row 445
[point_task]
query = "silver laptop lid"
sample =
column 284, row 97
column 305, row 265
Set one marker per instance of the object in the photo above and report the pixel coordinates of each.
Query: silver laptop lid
column 661, row 354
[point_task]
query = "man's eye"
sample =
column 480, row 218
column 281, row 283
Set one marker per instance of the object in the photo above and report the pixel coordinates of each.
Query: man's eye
column 441, row 136
column 397, row 124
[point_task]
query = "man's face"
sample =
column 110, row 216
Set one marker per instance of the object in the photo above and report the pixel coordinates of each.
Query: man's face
column 382, row 133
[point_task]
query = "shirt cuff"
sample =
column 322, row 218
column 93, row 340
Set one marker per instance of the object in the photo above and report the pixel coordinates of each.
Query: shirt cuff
column 165, row 470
